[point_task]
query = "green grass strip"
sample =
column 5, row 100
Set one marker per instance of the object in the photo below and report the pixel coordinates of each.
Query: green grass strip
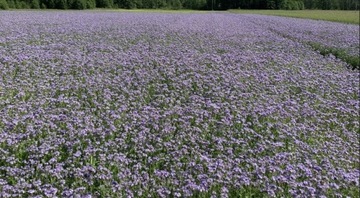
column 353, row 61
column 342, row 16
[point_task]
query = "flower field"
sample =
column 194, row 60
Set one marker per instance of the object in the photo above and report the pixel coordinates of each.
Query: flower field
column 122, row 104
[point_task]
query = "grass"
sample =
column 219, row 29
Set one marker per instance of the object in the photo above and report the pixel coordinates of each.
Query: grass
column 342, row 16
column 353, row 61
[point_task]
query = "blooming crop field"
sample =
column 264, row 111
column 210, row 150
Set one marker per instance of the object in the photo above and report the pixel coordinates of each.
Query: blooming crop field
column 111, row 104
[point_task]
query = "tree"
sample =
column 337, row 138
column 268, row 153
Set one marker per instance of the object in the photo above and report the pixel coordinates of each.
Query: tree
column 48, row 3
column 35, row 4
column 90, row 4
column 187, row 4
column 104, row 3
column 79, row 4
column 128, row 4
column 174, row 4
column 3, row 5
column 61, row 4
column 11, row 4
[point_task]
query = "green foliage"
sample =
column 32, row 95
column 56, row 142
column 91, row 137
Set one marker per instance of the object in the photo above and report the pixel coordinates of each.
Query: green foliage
column 175, row 4
column 292, row 5
column 61, row 4
column 128, row 4
column 104, row 3
column 353, row 61
column 11, row 4
column 35, row 4
column 79, row 4
column 90, row 4
column 184, row 4
column 22, row 5
column 195, row 4
column 50, row 4
column 3, row 5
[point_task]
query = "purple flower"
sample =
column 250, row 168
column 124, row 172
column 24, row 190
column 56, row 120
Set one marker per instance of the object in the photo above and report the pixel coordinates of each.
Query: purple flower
column 140, row 104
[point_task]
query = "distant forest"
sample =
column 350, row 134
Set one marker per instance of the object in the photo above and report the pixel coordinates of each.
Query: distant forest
column 183, row 4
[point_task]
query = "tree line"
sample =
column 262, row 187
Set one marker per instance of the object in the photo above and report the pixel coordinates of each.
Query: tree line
column 183, row 4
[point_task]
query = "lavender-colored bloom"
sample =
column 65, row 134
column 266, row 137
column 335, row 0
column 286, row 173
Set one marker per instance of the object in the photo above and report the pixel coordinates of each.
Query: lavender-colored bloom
column 131, row 104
